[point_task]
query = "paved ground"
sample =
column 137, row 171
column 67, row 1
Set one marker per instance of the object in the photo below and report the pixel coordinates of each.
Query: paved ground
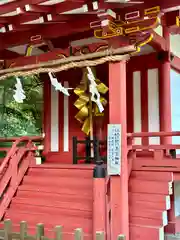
column 172, row 237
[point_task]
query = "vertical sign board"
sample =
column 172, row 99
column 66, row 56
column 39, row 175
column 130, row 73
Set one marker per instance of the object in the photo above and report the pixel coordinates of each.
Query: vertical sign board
column 114, row 149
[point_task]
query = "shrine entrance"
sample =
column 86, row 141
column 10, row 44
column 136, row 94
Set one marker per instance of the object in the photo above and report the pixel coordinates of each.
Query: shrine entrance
column 73, row 115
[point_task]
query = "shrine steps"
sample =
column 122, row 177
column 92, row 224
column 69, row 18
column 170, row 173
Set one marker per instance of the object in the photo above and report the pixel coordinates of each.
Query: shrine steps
column 149, row 202
column 54, row 196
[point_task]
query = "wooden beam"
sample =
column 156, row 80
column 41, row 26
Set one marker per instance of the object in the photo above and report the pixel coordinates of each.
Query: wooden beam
column 158, row 42
column 154, row 134
column 150, row 63
column 156, row 147
column 58, row 8
column 18, row 28
column 70, row 5
column 15, row 11
column 37, row 8
column 175, row 63
column 67, row 6
column 48, row 56
column 150, row 175
column 7, row 54
column 50, row 17
column 9, row 7
column 32, row 12
column 170, row 18
column 22, row 61
column 17, row 20
column 164, row 6
column 158, row 166
column 47, row 32
column 3, row 20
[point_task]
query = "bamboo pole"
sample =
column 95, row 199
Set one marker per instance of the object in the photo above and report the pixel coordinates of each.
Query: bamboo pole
column 91, row 132
column 91, row 124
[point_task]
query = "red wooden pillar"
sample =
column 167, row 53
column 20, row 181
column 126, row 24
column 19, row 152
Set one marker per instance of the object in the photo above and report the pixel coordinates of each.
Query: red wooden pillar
column 99, row 200
column 119, row 184
column 165, row 91
column 47, row 112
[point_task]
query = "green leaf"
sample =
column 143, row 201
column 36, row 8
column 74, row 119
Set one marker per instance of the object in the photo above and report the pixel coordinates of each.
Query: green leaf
column 19, row 119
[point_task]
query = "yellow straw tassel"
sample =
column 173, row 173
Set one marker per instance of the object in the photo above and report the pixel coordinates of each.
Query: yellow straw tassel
column 81, row 101
column 82, row 114
column 86, row 126
column 79, row 90
column 102, row 88
column 88, row 109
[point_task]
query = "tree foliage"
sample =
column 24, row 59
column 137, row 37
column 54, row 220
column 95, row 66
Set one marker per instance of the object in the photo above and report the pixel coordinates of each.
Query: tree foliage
column 21, row 119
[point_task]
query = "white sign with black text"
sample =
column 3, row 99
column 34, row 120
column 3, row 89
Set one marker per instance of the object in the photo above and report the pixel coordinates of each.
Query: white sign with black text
column 114, row 149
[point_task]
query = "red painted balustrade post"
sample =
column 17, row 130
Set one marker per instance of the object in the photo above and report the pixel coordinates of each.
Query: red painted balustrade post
column 14, row 169
column 99, row 199
column 119, row 206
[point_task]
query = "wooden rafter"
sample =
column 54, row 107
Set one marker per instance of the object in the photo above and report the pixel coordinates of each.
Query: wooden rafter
column 24, row 8
column 56, row 30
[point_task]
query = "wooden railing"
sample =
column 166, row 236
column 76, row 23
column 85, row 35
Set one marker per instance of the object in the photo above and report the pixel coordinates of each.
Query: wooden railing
column 154, row 134
column 7, row 142
column 94, row 144
column 7, row 234
column 156, row 147
column 13, row 169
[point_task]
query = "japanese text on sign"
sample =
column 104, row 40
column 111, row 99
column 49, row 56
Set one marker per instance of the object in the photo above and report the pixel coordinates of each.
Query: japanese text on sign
column 114, row 149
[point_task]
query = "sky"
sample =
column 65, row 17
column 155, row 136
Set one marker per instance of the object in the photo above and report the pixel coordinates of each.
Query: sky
column 175, row 103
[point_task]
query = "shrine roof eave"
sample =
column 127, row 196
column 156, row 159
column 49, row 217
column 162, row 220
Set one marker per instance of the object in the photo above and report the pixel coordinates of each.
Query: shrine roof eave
column 19, row 29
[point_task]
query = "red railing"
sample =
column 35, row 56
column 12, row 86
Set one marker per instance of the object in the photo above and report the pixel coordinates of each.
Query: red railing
column 161, row 150
column 14, row 167
column 13, row 139
column 132, row 136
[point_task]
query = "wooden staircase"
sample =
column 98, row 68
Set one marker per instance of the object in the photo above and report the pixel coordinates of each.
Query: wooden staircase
column 149, row 203
column 55, row 195
column 63, row 195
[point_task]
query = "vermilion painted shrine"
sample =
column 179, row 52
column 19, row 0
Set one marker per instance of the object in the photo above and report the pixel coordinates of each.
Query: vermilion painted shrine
column 105, row 67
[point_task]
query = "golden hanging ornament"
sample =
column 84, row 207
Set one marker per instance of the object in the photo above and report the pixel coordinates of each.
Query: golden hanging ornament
column 88, row 109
